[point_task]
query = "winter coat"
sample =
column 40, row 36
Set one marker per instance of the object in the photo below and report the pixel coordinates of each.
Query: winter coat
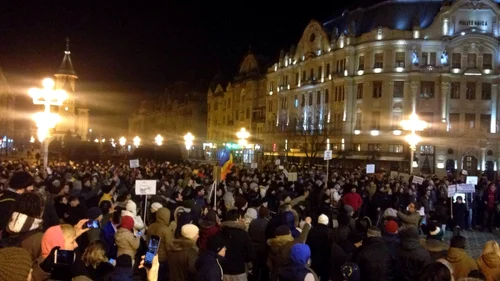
column 239, row 248
column 489, row 264
column 18, row 234
column 341, row 253
column 108, row 237
column 7, row 205
column 320, row 240
column 181, row 260
column 437, row 248
column 161, row 228
column 257, row 232
column 100, row 273
column 354, row 200
column 289, row 220
column 121, row 274
column 461, row 262
column 207, row 230
column 374, row 260
column 126, row 242
column 409, row 220
column 412, row 257
column 392, row 243
column 208, row 267
column 279, row 252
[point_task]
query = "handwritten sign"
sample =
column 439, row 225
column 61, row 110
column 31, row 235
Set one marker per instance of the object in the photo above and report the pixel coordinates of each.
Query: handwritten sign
column 471, row 180
column 466, row 188
column 145, row 187
column 134, row 163
column 418, row 180
column 370, row 169
column 452, row 189
column 253, row 165
column 292, row 176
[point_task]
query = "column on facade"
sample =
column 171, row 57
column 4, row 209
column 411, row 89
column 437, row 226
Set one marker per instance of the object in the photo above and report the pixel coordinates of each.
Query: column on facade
column 351, row 60
column 483, row 158
column 300, row 77
column 349, row 107
column 445, row 98
column 494, row 108
column 414, row 94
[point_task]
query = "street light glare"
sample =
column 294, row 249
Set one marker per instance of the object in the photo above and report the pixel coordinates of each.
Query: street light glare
column 159, row 140
column 48, row 83
column 122, row 141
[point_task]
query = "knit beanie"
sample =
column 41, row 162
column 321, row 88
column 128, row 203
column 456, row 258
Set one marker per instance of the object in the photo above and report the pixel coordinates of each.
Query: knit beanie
column 349, row 209
column 350, row 271
column 189, row 231
column 282, row 230
column 263, row 212
column 216, row 243
column 127, row 223
column 240, row 202
column 323, row 219
column 93, row 213
column 391, row 227
column 211, row 216
column 21, row 180
column 436, row 233
column 155, row 207
column 390, row 212
column 15, row 264
column 373, row 231
column 251, row 213
column 124, row 261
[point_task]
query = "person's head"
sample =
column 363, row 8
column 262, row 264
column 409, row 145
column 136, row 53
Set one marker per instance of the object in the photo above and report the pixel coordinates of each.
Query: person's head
column 300, row 254
column 492, row 187
column 412, row 207
column 391, row 227
column 21, row 182
column 355, row 238
column 435, row 271
column 15, row 264
column 282, row 230
column 116, row 218
column 94, row 213
column 63, row 236
column 200, row 191
column 491, row 247
column 232, row 215
column 190, row 231
column 353, row 189
column 458, row 241
column 459, row 199
column 106, row 207
column 217, row 244
column 30, row 204
column 73, row 201
column 94, row 254
column 373, row 231
column 323, row 219
column 127, row 223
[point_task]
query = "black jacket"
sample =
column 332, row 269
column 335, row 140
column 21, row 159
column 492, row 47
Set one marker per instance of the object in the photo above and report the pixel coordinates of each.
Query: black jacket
column 412, row 257
column 320, row 240
column 374, row 260
column 239, row 248
column 7, row 206
column 208, row 267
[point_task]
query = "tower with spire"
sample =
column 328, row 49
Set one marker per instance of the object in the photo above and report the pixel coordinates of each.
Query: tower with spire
column 75, row 117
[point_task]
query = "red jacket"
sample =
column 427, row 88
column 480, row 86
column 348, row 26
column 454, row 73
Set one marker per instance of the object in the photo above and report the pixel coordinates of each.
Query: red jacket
column 354, row 200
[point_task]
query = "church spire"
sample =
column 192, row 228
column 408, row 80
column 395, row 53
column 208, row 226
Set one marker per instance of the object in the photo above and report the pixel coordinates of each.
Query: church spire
column 66, row 65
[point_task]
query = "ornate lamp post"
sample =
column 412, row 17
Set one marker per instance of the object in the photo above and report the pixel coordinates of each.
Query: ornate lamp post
column 137, row 141
column 188, row 141
column 46, row 120
column 242, row 136
column 413, row 124
column 159, row 140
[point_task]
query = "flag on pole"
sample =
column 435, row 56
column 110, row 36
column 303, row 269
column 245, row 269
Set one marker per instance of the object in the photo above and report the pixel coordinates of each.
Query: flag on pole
column 225, row 162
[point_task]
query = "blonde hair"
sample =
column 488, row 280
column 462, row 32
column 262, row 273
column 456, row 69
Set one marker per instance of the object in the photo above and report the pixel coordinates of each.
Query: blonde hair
column 68, row 230
column 491, row 247
column 95, row 254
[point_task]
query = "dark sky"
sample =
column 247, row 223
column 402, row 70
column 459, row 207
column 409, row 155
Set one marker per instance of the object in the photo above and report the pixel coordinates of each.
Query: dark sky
column 123, row 51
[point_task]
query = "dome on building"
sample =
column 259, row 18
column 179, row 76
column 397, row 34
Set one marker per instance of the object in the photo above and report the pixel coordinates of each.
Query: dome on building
column 394, row 14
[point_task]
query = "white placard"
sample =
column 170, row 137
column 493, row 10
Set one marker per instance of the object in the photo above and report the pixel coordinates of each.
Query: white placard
column 145, row 187
column 452, row 189
column 417, row 180
column 277, row 162
column 394, row 175
column 370, row 169
column 134, row 163
column 328, row 155
column 292, row 176
column 464, row 172
column 280, row 167
column 471, row 180
column 466, row 188
column 253, row 165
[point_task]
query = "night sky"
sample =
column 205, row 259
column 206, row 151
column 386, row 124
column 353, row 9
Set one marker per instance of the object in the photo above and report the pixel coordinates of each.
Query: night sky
column 128, row 52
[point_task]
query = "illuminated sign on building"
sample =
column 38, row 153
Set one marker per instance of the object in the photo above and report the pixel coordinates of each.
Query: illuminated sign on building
column 473, row 23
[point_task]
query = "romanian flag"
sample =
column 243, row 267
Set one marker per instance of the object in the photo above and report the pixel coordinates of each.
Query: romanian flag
column 226, row 162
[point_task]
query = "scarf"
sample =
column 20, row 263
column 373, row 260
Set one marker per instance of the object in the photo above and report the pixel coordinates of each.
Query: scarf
column 20, row 223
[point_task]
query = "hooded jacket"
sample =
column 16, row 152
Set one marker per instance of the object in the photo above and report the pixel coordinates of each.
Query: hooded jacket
column 279, row 251
column 437, row 248
column 181, row 260
column 161, row 228
column 208, row 267
column 489, row 264
column 461, row 262
column 297, row 269
column 126, row 242
column 289, row 220
column 412, row 256
column 374, row 260
column 207, row 230
column 239, row 248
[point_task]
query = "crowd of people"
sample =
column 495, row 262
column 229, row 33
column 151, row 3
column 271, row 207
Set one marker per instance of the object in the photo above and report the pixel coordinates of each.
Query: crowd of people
column 255, row 225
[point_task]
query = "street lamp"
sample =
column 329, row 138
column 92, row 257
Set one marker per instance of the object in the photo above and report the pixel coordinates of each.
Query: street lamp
column 137, row 141
column 413, row 124
column 46, row 120
column 159, row 140
column 188, row 141
column 122, row 141
column 242, row 136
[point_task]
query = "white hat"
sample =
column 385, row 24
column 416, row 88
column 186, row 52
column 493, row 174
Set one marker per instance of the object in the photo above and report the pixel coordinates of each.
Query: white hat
column 155, row 206
column 189, row 231
column 323, row 219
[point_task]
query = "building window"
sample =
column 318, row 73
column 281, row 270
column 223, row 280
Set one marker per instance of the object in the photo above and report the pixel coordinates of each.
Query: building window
column 425, row 57
column 311, row 74
column 485, row 122
column 456, row 60
column 454, row 121
column 427, row 150
column 374, row 147
column 303, row 103
column 318, row 97
column 399, row 88
column 320, row 71
column 296, row 102
column 455, row 90
column 310, row 98
column 356, row 147
column 375, row 122
column 486, row 91
column 377, row 89
column 379, row 60
column 229, row 103
column 397, row 117
column 470, row 120
column 271, row 86
column 304, row 78
column 432, row 61
column 359, row 117
column 361, row 63
column 297, row 77
column 427, row 89
column 327, row 96
column 470, row 91
column 396, row 148
column 337, row 121
column 487, row 61
column 400, row 59
column 327, row 69
column 471, row 60
column 359, row 92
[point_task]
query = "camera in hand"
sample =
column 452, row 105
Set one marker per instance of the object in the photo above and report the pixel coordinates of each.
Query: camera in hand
column 63, row 257
column 154, row 243
column 91, row 224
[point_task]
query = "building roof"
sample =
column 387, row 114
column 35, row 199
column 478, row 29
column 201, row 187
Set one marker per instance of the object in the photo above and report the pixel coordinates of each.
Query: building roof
column 394, row 14
column 66, row 67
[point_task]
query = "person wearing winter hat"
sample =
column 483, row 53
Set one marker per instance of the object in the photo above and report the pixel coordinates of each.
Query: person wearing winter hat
column 131, row 210
column 15, row 264
column 298, row 268
column 94, row 214
column 208, row 263
column 126, row 242
column 19, row 183
column 373, row 231
column 319, row 241
column 323, row 219
column 190, row 231
column 391, row 238
column 123, row 269
column 183, row 254
column 350, row 272
column 155, row 207
column 434, row 242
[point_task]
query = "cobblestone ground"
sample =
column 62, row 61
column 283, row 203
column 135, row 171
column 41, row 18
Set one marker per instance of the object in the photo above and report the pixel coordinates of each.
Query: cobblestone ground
column 475, row 241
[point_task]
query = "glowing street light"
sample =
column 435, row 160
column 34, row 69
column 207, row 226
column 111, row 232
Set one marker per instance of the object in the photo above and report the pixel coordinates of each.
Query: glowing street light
column 122, row 141
column 137, row 141
column 32, row 139
column 242, row 136
column 159, row 140
column 413, row 124
column 46, row 120
column 96, row 140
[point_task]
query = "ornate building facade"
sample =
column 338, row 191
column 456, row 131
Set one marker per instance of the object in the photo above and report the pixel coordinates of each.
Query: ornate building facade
column 73, row 112
column 7, row 114
column 353, row 79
